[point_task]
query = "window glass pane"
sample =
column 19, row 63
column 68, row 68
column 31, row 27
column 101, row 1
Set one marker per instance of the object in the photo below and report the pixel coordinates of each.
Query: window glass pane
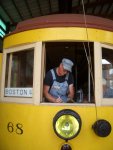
column 22, row 69
column 19, row 73
column 107, row 72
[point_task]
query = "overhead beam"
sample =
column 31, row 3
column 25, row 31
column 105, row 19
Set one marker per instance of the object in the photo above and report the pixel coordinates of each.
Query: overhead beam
column 2, row 19
column 109, row 16
column 38, row 3
column 17, row 9
column 108, row 8
column 94, row 7
column 50, row 8
column 29, row 10
column 7, row 13
column 65, row 6
column 100, row 11
column 92, row 4
column 87, row 4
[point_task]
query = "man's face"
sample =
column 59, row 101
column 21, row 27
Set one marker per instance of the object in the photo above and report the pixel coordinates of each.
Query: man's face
column 62, row 71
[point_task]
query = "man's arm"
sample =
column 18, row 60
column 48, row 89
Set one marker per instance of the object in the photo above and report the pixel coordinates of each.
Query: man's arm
column 49, row 96
column 71, row 91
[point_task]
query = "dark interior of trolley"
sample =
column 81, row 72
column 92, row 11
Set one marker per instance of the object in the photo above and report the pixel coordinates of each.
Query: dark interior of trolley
column 82, row 55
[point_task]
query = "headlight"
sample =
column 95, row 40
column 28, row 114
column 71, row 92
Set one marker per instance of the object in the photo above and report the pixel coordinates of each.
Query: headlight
column 67, row 124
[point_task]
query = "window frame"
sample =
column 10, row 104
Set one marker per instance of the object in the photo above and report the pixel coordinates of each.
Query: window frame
column 98, row 74
column 37, row 68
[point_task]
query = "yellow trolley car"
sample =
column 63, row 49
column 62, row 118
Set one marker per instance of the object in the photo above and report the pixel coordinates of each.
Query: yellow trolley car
column 27, row 122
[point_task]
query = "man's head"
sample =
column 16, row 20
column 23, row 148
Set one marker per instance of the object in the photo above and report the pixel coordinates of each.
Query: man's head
column 65, row 66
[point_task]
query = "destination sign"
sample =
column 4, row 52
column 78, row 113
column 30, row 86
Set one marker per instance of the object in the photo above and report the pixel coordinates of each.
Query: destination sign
column 18, row 92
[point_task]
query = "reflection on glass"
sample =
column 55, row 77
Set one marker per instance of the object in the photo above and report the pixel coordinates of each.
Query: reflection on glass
column 107, row 72
column 19, row 69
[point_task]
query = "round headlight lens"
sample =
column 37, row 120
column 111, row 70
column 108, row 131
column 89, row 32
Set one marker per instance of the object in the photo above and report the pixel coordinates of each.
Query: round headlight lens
column 67, row 124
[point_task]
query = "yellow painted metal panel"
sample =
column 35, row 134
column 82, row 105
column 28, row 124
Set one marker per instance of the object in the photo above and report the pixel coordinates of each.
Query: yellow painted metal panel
column 28, row 127
column 56, row 34
column 35, row 124
column 0, row 69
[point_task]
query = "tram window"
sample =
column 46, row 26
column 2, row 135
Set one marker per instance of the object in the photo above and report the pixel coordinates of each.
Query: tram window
column 79, row 53
column 107, row 72
column 19, row 73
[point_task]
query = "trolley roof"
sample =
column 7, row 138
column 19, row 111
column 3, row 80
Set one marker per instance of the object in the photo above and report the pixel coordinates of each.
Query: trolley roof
column 65, row 20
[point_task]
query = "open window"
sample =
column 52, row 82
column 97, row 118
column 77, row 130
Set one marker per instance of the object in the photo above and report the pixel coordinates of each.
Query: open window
column 82, row 54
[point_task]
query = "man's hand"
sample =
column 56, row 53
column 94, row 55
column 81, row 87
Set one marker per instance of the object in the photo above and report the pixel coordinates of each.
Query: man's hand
column 58, row 100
